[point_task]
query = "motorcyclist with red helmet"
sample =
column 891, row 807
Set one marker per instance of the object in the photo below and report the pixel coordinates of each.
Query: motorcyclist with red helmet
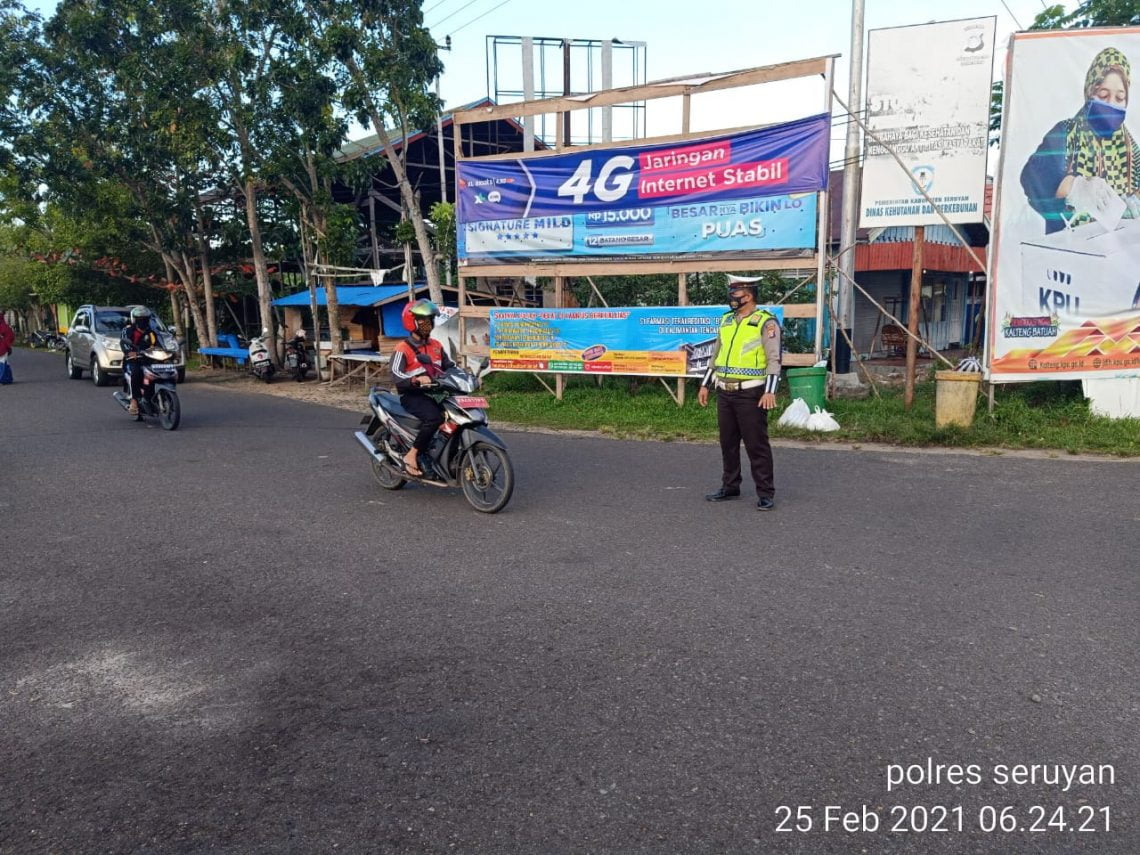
column 416, row 361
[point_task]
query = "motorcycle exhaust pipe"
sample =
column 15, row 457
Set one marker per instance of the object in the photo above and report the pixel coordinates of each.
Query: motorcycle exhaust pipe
column 373, row 452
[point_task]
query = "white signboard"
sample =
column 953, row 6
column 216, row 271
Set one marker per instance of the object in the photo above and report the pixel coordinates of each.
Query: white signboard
column 1064, row 297
column 529, row 235
column 928, row 98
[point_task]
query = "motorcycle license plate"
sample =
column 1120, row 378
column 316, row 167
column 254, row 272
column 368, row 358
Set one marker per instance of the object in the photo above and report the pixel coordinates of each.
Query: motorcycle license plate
column 469, row 402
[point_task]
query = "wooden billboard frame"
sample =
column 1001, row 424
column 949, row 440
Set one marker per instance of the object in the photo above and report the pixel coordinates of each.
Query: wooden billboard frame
column 685, row 87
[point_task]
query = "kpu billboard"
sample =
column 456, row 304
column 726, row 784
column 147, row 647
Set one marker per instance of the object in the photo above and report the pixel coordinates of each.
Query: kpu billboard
column 1065, row 257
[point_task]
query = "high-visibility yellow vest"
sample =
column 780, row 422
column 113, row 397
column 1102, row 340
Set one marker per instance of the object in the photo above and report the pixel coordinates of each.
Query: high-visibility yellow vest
column 741, row 353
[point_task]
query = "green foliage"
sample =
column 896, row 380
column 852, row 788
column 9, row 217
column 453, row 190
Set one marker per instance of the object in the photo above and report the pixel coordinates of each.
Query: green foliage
column 338, row 245
column 442, row 216
column 405, row 232
column 1040, row 416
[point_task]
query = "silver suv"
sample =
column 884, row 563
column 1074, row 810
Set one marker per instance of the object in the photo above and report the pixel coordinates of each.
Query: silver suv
column 93, row 343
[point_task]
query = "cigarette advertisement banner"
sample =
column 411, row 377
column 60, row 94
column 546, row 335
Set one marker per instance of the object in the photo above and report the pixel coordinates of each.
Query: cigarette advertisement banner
column 928, row 99
column 1064, row 298
column 745, row 192
column 654, row 341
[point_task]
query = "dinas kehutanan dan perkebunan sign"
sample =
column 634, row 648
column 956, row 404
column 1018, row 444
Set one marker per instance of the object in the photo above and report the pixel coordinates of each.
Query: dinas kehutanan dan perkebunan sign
column 669, row 341
column 738, row 193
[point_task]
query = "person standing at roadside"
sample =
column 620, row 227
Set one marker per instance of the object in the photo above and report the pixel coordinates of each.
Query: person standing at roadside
column 745, row 371
column 7, row 336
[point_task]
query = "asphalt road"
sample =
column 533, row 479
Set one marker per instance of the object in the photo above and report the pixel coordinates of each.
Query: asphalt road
column 229, row 639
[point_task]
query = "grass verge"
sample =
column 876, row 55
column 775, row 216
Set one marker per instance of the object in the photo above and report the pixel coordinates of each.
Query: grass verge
column 1035, row 416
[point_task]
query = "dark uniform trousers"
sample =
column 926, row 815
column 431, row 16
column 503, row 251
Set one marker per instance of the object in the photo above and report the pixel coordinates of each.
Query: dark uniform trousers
column 740, row 417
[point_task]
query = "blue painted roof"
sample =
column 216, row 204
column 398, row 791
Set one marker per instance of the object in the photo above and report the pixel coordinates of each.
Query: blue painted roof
column 353, row 295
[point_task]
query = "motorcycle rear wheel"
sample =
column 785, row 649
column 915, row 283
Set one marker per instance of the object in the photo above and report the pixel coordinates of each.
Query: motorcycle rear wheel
column 169, row 409
column 487, row 477
column 386, row 475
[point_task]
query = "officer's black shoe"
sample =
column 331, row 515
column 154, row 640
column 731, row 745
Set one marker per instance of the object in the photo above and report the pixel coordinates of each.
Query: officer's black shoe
column 722, row 495
column 765, row 504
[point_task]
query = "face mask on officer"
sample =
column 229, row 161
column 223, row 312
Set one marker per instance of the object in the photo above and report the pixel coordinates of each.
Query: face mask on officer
column 738, row 298
column 424, row 326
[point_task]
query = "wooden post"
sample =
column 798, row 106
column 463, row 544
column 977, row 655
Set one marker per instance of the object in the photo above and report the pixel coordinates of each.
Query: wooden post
column 913, row 311
column 682, row 300
column 682, row 279
column 559, row 379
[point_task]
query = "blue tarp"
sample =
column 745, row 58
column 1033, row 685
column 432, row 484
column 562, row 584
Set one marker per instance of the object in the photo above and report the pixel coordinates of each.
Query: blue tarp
column 352, row 295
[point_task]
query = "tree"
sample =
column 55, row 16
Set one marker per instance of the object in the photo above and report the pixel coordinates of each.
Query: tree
column 387, row 60
column 301, row 140
column 244, row 37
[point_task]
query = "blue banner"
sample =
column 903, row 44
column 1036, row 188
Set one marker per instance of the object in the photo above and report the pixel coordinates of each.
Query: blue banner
column 668, row 341
column 744, row 192
column 740, row 225
column 774, row 161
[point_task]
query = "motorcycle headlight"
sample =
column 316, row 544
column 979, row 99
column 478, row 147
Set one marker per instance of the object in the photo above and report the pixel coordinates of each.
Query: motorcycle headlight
column 112, row 344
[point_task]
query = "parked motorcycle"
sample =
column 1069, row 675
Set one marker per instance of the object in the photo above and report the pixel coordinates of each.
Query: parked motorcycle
column 464, row 453
column 159, row 399
column 46, row 338
column 260, row 362
column 297, row 358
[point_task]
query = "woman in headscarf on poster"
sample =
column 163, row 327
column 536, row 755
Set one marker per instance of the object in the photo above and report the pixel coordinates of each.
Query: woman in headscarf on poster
column 1085, row 163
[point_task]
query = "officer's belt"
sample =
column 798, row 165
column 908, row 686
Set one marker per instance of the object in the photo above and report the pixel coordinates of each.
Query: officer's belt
column 737, row 386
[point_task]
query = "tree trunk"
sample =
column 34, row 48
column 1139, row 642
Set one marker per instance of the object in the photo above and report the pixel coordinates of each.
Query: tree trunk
column 319, row 227
column 207, row 277
column 407, row 192
column 260, row 269
column 187, row 277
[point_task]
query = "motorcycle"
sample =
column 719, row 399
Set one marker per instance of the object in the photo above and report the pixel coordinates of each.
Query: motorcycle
column 46, row 338
column 297, row 357
column 464, row 452
column 159, row 399
column 260, row 362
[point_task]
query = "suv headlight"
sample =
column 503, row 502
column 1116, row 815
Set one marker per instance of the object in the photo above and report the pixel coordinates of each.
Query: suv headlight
column 112, row 344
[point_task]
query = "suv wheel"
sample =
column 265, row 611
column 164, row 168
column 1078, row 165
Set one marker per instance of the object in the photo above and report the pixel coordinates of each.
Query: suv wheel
column 73, row 370
column 97, row 374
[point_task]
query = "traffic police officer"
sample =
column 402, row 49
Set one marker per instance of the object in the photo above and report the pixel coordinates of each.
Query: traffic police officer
column 745, row 370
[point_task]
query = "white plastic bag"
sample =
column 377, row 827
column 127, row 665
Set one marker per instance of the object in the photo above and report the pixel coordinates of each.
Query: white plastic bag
column 823, row 421
column 796, row 415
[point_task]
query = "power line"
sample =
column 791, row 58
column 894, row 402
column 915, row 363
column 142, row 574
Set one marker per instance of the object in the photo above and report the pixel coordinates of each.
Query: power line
column 453, row 14
column 484, row 15
column 1013, row 15
column 441, row 2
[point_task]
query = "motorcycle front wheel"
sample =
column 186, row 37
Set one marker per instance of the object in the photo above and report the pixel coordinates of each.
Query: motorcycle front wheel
column 487, row 477
column 169, row 409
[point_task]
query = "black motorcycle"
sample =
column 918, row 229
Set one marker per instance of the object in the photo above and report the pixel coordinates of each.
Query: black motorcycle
column 297, row 359
column 46, row 338
column 159, row 399
column 464, row 453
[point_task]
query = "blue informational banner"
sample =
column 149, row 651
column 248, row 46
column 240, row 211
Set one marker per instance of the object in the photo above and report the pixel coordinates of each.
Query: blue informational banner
column 741, row 225
column 744, row 192
column 656, row 341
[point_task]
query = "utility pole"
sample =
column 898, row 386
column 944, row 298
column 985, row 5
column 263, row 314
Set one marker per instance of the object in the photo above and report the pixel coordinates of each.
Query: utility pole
column 442, row 163
column 850, row 221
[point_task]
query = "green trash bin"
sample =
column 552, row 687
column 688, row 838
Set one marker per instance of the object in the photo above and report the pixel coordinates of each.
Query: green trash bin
column 809, row 384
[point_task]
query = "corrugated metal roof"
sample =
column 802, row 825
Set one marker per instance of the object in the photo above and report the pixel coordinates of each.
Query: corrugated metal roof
column 353, row 295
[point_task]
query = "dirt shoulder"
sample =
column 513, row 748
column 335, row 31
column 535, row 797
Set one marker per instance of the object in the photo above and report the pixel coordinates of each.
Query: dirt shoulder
column 351, row 395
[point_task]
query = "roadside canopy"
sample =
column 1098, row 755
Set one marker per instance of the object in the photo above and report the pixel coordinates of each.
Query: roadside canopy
column 353, row 295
